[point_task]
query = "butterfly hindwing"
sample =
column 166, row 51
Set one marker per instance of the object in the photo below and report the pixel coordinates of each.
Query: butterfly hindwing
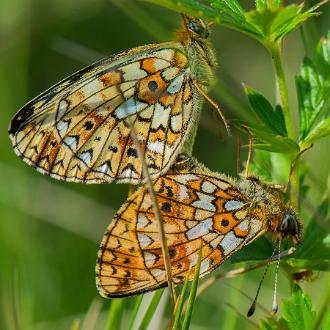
column 79, row 130
column 196, row 207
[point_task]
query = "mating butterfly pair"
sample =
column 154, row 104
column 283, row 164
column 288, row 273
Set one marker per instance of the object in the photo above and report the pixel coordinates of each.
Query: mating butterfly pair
column 80, row 130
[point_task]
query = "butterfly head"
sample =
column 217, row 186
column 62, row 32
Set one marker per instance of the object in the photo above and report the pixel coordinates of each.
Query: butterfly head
column 289, row 226
column 196, row 27
column 267, row 202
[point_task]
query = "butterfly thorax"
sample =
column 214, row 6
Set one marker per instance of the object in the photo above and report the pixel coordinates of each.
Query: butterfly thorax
column 194, row 38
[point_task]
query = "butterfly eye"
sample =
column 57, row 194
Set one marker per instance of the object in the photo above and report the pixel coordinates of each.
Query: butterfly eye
column 288, row 225
column 198, row 29
column 284, row 224
column 195, row 27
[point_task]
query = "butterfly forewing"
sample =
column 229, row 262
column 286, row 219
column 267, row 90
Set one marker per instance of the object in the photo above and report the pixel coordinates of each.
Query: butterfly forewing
column 194, row 207
column 80, row 129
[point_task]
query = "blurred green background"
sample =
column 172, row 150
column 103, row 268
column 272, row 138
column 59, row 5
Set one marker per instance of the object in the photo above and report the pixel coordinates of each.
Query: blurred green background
column 49, row 230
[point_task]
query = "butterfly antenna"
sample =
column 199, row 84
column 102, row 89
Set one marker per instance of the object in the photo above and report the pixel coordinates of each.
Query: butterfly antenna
column 254, row 303
column 275, row 305
column 247, row 168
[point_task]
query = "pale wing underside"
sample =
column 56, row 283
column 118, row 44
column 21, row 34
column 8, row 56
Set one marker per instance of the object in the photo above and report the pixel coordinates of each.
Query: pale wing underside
column 195, row 208
column 80, row 129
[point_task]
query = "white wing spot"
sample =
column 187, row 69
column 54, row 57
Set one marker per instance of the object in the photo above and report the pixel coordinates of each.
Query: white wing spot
column 156, row 146
column 244, row 225
column 160, row 116
column 71, row 142
column 104, row 168
column 176, row 122
column 205, row 264
column 230, row 242
column 199, row 230
column 144, row 240
column 255, row 226
column 132, row 71
column 158, row 273
column 149, row 258
column 62, row 108
column 62, row 128
column 204, row 202
column 86, row 157
column 193, row 259
column 130, row 107
column 175, row 85
column 208, row 187
column 170, row 73
column 233, row 205
column 142, row 221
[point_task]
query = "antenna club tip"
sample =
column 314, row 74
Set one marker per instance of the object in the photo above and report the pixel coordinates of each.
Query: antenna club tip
column 274, row 310
column 251, row 310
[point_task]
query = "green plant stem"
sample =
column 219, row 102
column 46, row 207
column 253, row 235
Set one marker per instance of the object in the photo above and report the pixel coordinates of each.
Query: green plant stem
column 275, row 50
column 135, row 312
column 150, row 312
column 114, row 314
column 283, row 89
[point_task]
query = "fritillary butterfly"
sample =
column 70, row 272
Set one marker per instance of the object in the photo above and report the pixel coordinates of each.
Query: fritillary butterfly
column 79, row 130
column 196, row 205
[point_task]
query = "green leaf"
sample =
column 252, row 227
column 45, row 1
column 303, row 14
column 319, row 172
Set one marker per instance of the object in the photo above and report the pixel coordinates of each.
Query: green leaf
column 268, row 141
column 298, row 311
column 268, row 23
column 230, row 6
column 276, row 22
column 273, row 120
column 313, row 89
column 261, row 4
column 323, row 56
column 320, row 131
column 314, row 252
column 262, row 165
column 192, row 7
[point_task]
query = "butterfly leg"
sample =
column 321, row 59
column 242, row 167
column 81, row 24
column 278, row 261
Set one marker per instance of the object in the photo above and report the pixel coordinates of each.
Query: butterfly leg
column 214, row 104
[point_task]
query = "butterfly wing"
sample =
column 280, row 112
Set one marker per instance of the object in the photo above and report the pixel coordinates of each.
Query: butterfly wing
column 195, row 208
column 79, row 130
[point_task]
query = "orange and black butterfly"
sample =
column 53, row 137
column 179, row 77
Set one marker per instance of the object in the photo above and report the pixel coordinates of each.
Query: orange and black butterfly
column 198, row 207
column 79, row 130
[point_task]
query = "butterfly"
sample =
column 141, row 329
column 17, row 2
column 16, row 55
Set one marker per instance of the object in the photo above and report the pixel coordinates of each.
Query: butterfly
column 200, row 210
column 80, row 129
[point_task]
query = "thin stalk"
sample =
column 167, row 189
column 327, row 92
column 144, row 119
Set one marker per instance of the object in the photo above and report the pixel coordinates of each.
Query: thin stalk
column 114, row 314
column 135, row 311
column 179, row 305
column 158, row 215
column 282, row 86
column 193, row 291
column 275, row 50
column 151, row 309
